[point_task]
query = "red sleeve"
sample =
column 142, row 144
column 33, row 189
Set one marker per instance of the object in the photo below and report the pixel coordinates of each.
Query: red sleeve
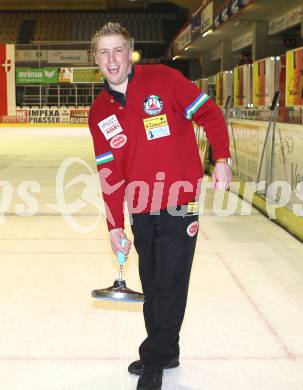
column 196, row 105
column 112, row 184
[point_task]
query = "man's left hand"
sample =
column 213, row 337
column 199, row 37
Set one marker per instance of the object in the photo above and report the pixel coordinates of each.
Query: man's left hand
column 221, row 176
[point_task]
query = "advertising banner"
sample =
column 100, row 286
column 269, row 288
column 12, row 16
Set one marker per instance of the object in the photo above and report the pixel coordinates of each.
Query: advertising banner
column 196, row 25
column 31, row 55
column 79, row 116
column 207, row 15
column 55, row 115
column 228, row 10
column 65, row 75
column 287, row 20
column 183, row 39
column 20, row 117
column 87, row 75
column 294, row 77
column 67, row 57
column 36, row 75
column 219, row 88
column 238, row 87
column 228, row 79
column 242, row 85
column 263, row 81
column 242, row 41
column 281, row 80
column 7, row 80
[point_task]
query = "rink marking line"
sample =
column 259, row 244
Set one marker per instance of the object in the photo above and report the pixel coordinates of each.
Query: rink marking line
column 116, row 358
column 289, row 354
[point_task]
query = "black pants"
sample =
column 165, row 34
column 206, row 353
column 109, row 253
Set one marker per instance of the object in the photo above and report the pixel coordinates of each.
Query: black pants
column 166, row 251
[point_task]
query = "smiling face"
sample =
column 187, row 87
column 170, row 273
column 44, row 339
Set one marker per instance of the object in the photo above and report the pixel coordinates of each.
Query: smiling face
column 113, row 55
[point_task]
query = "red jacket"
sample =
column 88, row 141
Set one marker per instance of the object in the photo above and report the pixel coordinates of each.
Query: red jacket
column 146, row 151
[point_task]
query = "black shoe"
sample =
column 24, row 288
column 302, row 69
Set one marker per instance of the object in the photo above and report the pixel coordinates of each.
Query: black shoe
column 136, row 367
column 150, row 379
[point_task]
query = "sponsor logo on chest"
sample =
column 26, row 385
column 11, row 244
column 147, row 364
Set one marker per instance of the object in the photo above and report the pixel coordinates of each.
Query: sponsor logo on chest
column 156, row 127
column 153, row 105
column 118, row 141
column 110, row 127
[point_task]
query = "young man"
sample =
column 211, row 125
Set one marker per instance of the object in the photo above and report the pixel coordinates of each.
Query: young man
column 146, row 153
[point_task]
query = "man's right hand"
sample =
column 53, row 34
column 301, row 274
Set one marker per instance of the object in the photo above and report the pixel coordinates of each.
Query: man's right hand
column 116, row 235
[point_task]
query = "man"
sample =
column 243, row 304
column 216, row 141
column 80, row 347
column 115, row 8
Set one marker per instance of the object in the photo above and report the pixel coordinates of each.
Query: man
column 146, row 153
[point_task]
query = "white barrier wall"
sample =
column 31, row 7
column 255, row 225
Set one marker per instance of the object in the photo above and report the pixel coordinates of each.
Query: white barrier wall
column 283, row 171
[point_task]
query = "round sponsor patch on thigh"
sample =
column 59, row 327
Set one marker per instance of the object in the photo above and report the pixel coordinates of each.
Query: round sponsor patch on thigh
column 192, row 228
column 118, row 141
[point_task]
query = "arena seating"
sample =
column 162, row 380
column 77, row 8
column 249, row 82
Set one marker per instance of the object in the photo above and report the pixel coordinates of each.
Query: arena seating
column 80, row 26
column 58, row 30
column 10, row 25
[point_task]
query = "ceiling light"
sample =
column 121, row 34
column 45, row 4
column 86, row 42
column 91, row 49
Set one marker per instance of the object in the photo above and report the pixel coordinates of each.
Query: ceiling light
column 207, row 32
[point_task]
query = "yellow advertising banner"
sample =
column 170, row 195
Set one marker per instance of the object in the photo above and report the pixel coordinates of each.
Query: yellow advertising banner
column 219, row 88
column 263, row 82
column 87, row 75
column 237, row 88
column 294, row 77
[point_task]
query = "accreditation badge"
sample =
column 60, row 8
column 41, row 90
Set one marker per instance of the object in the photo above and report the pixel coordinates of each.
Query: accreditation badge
column 156, row 127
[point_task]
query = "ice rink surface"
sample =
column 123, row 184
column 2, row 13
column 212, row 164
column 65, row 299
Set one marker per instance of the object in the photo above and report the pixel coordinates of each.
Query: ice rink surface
column 243, row 328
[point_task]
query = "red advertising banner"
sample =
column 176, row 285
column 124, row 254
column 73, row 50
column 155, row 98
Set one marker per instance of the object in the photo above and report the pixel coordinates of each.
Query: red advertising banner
column 264, row 81
column 294, row 77
column 20, row 117
column 79, row 116
column 7, row 80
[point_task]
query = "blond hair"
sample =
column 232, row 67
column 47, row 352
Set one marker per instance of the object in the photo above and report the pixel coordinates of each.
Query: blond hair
column 111, row 28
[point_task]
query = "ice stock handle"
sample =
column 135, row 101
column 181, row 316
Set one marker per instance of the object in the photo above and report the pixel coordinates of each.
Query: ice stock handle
column 121, row 255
